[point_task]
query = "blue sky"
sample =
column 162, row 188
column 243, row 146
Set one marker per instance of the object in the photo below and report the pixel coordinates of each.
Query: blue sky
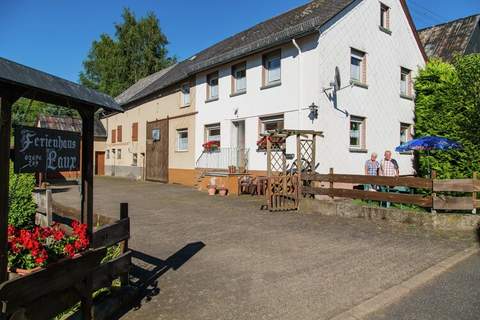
column 55, row 35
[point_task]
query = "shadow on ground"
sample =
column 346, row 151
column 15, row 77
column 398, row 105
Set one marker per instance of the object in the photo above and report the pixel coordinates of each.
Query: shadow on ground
column 146, row 270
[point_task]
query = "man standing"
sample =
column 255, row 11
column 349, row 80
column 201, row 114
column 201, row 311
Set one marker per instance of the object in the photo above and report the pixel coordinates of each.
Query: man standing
column 389, row 167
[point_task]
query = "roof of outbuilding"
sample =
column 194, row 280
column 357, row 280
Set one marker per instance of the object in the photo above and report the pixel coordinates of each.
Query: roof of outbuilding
column 294, row 23
column 45, row 87
column 66, row 123
column 447, row 39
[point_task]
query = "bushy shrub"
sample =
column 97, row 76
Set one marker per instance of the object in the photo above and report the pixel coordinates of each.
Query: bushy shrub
column 22, row 206
column 448, row 105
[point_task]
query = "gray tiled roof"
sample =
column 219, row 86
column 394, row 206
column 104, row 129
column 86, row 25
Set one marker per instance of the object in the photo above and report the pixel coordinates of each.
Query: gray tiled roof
column 48, row 88
column 66, row 123
column 447, row 39
column 294, row 23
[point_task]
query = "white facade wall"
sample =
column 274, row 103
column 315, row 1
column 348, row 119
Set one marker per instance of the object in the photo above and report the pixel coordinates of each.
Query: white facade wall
column 305, row 75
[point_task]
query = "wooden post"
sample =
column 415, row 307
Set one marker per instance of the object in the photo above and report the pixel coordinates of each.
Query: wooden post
column 314, row 152
column 434, row 195
column 299, row 155
column 49, row 207
column 5, row 130
column 123, row 215
column 330, row 178
column 474, row 194
column 87, row 197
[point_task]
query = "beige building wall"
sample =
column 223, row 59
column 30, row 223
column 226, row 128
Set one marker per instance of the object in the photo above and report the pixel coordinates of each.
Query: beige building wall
column 168, row 104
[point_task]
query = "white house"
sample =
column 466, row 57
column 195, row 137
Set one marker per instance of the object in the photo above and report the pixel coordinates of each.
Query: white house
column 266, row 77
column 376, row 50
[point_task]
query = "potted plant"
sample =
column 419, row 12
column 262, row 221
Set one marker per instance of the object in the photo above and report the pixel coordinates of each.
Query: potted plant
column 212, row 187
column 232, row 169
column 222, row 191
column 30, row 250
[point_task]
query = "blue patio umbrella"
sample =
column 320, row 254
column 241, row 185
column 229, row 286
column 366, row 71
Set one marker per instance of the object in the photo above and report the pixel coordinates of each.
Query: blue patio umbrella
column 429, row 143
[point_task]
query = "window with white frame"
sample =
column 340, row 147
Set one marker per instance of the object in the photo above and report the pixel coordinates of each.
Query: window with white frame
column 272, row 63
column 239, row 74
column 134, row 159
column 405, row 82
column 119, row 154
column 357, row 132
column 358, row 66
column 212, row 86
column 271, row 123
column 384, row 16
column 182, row 140
column 212, row 132
column 107, row 154
column 185, row 94
column 405, row 134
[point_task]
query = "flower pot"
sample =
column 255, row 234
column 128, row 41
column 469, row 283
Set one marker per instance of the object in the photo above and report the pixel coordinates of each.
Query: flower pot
column 223, row 192
column 212, row 190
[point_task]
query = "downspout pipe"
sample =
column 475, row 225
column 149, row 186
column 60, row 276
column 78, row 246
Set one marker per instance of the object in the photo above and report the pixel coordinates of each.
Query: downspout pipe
column 300, row 80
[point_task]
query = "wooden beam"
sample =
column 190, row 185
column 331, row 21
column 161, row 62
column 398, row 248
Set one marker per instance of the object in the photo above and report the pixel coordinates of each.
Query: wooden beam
column 88, row 118
column 453, row 203
column 111, row 234
column 458, row 185
column 412, row 182
column 5, row 132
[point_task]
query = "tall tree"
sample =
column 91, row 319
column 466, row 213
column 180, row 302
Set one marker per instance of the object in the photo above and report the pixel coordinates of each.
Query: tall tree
column 448, row 105
column 138, row 50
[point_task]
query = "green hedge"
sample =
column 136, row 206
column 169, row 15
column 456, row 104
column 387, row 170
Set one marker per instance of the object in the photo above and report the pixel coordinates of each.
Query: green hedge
column 22, row 205
column 448, row 105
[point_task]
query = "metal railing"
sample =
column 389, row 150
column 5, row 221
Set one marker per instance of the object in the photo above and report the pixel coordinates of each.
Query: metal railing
column 223, row 158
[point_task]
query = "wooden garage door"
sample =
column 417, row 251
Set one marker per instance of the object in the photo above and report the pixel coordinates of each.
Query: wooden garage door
column 100, row 163
column 156, row 162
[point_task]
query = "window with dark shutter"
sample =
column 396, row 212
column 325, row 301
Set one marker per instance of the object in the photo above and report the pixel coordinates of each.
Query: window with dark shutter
column 135, row 131
column 119, row 133
column 114, row 136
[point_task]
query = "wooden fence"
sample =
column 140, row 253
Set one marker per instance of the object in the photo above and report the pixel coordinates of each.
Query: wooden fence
column 434, row 198
column 52, row 290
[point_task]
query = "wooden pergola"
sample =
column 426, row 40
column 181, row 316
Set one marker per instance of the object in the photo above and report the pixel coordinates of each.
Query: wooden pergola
column 284, row 184
column 17, row 81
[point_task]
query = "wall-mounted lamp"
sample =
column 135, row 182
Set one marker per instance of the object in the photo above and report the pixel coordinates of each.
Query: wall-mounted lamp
column 313, row 111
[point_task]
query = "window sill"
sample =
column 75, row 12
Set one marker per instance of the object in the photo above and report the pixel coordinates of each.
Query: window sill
column 359, row 84
column 407, row 97
column 211, row 100
column 185, row 106
column 181, row 151
column 387, row 31
column 271, row 85
column 358, row 150
column 235, row 94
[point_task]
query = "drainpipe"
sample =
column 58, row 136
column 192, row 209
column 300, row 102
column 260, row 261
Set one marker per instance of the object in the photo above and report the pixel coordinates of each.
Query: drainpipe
column 300, row 80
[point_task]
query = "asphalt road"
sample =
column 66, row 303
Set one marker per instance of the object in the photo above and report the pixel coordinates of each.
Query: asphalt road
column 454, row 295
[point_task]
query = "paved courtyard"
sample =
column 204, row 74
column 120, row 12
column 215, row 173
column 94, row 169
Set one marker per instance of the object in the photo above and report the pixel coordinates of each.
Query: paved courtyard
column 243, row 263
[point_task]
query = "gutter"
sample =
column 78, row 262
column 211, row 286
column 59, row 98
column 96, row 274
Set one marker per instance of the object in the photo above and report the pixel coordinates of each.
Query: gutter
column 299, row 64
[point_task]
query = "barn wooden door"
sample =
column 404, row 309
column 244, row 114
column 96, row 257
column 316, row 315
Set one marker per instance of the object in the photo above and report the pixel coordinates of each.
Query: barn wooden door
column 156, row 162
column 100, row 163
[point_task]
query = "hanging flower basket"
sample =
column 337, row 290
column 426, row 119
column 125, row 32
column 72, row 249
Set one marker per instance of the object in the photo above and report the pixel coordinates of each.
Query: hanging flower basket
column 32, row 250
column 211, row 146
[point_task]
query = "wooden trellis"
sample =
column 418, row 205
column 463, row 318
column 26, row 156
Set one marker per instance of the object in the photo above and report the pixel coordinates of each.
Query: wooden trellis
column 284, row 184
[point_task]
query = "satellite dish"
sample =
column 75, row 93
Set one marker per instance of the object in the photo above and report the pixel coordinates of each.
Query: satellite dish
column 337, row 82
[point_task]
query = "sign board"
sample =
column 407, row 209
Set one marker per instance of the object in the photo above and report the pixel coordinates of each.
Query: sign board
column 46, row 150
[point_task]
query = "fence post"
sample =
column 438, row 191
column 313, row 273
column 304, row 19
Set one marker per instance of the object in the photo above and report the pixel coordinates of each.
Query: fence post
column 49, row 207
column 330, row 179
column 123, row 215
column 474, row 194
column 434, row 195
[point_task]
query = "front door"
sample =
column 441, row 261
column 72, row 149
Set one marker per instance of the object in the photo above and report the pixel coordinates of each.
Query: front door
column 239, row 143
column 100, row 163
column 156, row 157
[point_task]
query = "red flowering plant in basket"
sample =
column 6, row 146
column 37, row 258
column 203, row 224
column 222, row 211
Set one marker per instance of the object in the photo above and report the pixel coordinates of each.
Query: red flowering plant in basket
column 35, row 248
column 211, row 146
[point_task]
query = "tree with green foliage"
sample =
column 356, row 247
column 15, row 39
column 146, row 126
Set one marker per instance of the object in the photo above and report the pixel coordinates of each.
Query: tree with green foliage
column 138, row 50
column 448, row 105
column 26, row 111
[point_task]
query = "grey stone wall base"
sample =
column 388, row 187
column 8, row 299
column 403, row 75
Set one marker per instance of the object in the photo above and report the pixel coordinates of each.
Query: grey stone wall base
column 436, row 221
column 124, row 171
